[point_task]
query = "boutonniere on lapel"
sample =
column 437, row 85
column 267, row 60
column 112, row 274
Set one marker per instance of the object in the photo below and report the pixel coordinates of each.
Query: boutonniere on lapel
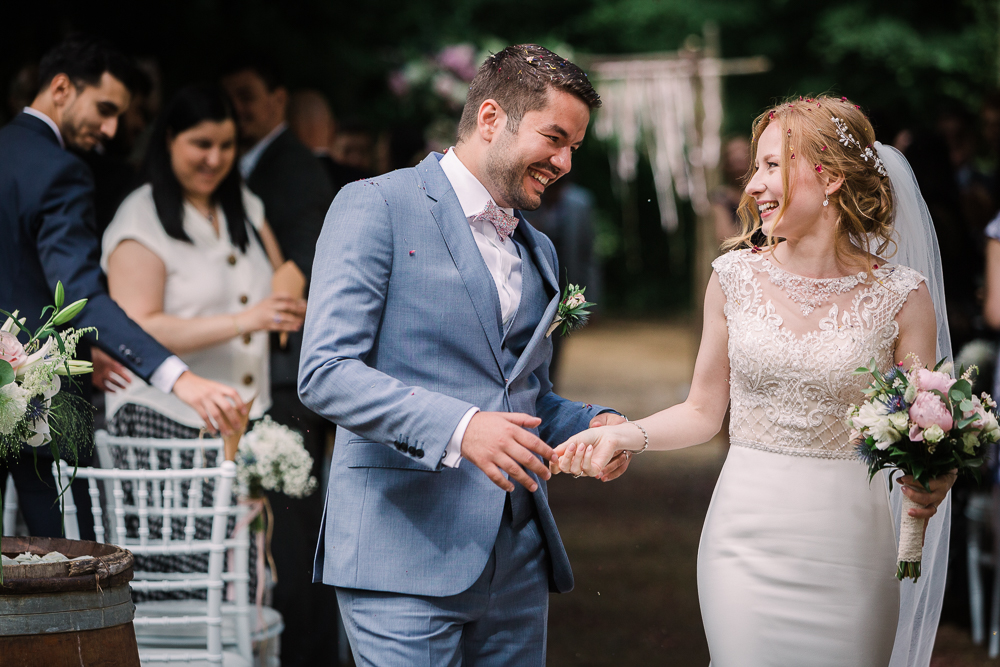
column 572, row 312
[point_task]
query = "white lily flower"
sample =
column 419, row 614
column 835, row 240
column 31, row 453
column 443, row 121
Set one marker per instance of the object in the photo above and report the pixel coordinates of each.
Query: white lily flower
column 10, row 326
column 36, row 358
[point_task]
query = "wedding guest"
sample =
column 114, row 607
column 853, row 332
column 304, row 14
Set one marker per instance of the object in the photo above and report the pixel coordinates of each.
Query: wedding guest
column 312, row 122
column 189, row 257
column 726, row 198
column 296, row 194
column 354, row 145
column 565, row 216
column 84, row 85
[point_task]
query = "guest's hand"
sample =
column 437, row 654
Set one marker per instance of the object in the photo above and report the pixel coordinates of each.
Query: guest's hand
column 108, row 374
column 278, row 312
column 495, row 442
column 219, row 406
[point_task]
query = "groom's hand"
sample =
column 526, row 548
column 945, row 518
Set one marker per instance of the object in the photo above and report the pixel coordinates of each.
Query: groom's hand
column 495, row 442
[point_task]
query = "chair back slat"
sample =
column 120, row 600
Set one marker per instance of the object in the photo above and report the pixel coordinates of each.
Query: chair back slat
column 96, row 508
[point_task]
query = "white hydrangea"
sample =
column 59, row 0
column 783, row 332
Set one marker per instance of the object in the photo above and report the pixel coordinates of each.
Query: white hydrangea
column 13, row 404
column 273, row 457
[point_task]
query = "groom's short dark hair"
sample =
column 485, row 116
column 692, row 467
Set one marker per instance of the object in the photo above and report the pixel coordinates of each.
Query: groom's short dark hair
column 519, row 78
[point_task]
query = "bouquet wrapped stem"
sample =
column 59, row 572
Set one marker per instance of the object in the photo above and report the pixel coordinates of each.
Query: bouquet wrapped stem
column 926, row 424
column 911, row 538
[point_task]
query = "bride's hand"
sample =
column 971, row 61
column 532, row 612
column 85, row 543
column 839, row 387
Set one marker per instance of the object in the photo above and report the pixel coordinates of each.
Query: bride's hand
column 591, row 453
column 930, row 497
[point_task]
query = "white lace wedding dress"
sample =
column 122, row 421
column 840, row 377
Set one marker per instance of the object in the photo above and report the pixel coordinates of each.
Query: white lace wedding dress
column 798, row 555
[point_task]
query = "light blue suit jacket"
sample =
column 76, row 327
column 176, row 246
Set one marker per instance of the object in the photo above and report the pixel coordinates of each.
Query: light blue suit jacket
column 402, row 337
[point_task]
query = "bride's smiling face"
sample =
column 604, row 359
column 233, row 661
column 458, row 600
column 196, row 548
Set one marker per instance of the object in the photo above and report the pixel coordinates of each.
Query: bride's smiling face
column 788, row 217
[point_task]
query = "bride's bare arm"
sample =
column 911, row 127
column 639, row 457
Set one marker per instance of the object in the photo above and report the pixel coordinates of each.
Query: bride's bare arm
column 692, row 422
column 917, row 329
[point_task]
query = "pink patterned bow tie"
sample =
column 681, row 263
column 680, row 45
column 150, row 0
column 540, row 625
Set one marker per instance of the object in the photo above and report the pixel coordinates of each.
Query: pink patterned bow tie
column 502, row 221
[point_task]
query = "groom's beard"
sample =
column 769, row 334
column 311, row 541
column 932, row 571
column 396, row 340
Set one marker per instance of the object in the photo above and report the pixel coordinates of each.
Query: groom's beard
column 506, row 172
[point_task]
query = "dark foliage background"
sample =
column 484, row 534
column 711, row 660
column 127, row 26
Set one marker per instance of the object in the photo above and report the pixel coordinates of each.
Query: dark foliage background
column 903, row 60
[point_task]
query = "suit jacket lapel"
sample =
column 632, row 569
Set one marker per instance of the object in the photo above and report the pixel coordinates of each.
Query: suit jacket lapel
column 464, row 252
column 541, row 258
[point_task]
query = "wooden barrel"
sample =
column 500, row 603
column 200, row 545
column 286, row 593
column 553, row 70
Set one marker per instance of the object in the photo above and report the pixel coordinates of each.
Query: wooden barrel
column 76, row 613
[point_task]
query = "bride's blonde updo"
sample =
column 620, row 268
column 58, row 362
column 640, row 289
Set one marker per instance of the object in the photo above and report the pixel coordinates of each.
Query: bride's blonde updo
column 810, row 136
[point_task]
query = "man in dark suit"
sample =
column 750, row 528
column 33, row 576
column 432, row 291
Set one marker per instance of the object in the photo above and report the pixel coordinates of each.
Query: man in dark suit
column 47, row 221
column 312, row 122
column 296, row 195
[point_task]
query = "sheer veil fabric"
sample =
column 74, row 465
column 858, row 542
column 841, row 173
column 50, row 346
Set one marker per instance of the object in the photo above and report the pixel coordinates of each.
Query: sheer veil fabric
column 917, row 248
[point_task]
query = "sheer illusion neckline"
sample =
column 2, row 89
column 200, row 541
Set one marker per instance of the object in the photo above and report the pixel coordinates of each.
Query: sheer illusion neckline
column 811, row 293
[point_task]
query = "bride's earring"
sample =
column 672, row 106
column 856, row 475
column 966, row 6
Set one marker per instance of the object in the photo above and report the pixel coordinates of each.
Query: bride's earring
column 826, row 199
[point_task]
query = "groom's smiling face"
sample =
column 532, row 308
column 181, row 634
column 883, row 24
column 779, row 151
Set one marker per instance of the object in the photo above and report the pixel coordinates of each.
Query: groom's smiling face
column 521, row 164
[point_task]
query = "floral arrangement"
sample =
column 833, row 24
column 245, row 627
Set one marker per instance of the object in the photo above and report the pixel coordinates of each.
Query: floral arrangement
column 572, row 313
column 30, row 409
column 923, row 423
column 272, row 457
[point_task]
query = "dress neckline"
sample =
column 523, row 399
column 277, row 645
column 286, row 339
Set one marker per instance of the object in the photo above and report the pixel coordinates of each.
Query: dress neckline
column 811, row 293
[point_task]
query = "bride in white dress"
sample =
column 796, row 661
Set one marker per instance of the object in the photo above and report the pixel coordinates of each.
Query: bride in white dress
column 798, row 553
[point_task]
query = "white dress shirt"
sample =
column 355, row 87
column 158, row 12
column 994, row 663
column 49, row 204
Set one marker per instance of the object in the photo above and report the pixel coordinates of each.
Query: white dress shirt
column 166, row 373
column 501, row 258
column 250, row 159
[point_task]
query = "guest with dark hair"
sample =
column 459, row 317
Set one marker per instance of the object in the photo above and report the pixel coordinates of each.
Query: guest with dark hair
column 49, row 227
column 296, row 195
column 312, row 122
column 189, row 257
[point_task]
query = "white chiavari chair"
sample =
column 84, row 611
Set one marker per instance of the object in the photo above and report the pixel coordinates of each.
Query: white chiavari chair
column 243, row 629
column 165, row 504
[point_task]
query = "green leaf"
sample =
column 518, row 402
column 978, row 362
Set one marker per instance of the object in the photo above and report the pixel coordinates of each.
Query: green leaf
column 6, row 373
column 71, row 311
column 961, row 389
column 60, row 295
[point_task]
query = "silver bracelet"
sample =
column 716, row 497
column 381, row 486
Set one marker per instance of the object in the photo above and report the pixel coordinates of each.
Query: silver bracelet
column 645, row 437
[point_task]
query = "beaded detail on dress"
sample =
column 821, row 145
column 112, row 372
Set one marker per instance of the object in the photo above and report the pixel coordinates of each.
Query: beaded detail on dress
column 810, row 293
column 789, row 390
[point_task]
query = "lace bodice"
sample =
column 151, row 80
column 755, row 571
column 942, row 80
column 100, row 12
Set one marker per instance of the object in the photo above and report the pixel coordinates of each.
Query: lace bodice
column 794, row 343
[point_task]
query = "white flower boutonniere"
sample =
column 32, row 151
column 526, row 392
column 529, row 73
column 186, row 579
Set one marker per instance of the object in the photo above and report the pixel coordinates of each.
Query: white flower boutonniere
column 572, row 312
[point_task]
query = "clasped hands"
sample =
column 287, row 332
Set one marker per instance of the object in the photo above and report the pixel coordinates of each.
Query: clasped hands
column 498, row 443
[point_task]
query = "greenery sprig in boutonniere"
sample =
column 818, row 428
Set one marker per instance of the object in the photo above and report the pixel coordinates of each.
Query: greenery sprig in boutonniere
column 572, row 312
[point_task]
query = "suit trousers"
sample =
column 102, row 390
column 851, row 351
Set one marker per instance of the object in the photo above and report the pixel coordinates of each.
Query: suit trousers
column 308, row 609
column 500, row 621
column 37, row 498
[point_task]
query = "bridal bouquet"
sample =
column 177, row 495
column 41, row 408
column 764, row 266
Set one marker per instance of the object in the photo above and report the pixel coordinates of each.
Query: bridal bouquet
column 272, row 457
column 31, row 408
column 926, row 424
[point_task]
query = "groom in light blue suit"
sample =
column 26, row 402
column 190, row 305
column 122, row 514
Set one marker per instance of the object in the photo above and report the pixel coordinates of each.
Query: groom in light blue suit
column 426, row 342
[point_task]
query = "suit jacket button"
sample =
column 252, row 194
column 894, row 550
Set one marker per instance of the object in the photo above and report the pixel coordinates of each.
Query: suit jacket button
column 419, row 454
column 244, row 298
column 412, row 450
column 247, row 338
column 248, row 379
column 232, row 260
column 122, row 348
column 138, row 361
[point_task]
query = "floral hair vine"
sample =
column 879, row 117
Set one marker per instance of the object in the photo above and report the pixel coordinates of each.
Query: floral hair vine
column 848, row 139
